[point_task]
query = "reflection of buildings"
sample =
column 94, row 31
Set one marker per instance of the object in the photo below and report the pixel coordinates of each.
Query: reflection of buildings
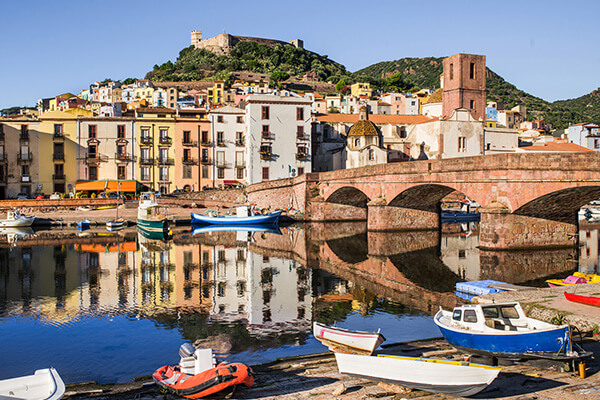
column 589, row 258
column 460, row 253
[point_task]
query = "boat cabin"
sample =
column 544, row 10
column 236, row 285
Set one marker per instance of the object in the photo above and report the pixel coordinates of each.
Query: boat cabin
column 486, row 317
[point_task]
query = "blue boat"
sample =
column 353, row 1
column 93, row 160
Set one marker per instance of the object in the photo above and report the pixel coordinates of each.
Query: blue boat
column 460, row 216
column 263, row 228
column 83, row 225
column 503, row 330
column 243, row 216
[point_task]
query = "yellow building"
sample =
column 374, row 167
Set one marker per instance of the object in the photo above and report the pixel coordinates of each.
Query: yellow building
column 489, row 123
column 155, row 128
column 215, row 94
column 53, row 104
column 58, row 159
column 361, row 88
column 144, row 93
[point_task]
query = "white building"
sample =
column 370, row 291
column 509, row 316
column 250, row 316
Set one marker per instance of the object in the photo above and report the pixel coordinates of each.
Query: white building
column 229, row 152
column 278, row 141
column 365, row 143
column 586, row 135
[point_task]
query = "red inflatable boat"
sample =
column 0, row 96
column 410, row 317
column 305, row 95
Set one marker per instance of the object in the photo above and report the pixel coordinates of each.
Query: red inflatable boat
column 591, row 300
column 205, row 383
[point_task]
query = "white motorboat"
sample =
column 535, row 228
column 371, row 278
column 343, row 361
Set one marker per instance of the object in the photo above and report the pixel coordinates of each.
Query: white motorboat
column 150, row 214
column 45, row 384
column 438, row 376
column 332, row 336
column 15, row 219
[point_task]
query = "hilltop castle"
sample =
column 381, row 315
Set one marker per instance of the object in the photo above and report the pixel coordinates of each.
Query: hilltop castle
column 223, row 43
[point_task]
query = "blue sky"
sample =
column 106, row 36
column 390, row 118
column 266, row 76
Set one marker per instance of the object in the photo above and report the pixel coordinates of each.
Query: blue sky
column 547, row 48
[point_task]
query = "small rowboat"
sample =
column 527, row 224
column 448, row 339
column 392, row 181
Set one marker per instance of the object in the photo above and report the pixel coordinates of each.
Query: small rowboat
column 438, row 376
column 115, row 224
column 591, row 300
column 45, row 384
column 269, row 218
column 338, row 339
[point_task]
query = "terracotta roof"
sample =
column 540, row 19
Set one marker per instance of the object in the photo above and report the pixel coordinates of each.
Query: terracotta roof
column 155, row 110
column 376, row 118
column 555, row 146
column 581, row 123
column 436, row 97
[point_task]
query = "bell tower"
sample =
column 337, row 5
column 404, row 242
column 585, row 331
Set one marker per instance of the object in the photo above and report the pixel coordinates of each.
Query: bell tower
column 464, row 84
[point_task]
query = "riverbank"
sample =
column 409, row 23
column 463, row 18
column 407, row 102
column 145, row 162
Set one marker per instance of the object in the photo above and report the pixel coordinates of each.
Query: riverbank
column 317, row 377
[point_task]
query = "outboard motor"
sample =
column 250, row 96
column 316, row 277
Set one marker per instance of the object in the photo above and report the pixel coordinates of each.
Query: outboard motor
column 194, row 361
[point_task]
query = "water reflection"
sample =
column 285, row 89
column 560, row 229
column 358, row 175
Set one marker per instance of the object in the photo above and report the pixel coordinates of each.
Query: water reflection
column 129, row 299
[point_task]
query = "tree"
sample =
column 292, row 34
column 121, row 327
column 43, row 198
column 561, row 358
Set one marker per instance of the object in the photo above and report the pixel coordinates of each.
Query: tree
column 340, row 85
column 129, row 81
column 278, row 76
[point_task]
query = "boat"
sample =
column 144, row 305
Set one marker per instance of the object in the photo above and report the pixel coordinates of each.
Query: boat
column 261, row 228
column 339, row 339
column 577, row 278
column 577, row 298
column 44, row 384
column 459, row 216
column 503, row 330
column 13, row 235
column 15, row 219
column 115, row 225
column 244, row 216
column 150, row 216
column 438, row 376
column 85, row 224
column 197, row 376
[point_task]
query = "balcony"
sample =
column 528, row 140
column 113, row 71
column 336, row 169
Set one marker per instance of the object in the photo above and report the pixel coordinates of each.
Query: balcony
column 58, row 137
column 58, row 157
column 239, row 142
column 223, row 164
column 206, row 142
column 266, row 155
column 24, row 158
column 146, row 140
column 189, row 143
column 166, row 161
column 302, row 156
column 206, row 161
column 24, row 137
column 267, row 136
column 165, row 140
column 146, row 161
column 94, row 158
column 240, row 163
column 25, row 179
column 145, row 178
column 302, row 136
column 190, row 161
column 58, row 177
column 124, row 157
column 163, row 179
column 221, row 144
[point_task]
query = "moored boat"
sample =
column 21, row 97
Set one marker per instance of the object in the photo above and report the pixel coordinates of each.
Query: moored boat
column 332, row 337
column 15, row 219
column 460, row 216
column 438, row 376
column 115, row 224
column 262, row 228
column 577, row 278
column 503, row 330
column 150, row 216
column 577, row 298
column 44, row 384
column 244, row 215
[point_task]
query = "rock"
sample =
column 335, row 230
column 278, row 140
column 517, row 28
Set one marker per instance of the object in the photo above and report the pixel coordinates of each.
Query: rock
column 394, row 388
column 339, row 390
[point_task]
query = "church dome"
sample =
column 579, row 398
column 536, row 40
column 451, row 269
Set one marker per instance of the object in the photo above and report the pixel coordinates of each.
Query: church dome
column 363, row 127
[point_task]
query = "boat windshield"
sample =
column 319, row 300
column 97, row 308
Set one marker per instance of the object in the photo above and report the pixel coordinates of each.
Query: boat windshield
column 509, row 312
column 490, row 312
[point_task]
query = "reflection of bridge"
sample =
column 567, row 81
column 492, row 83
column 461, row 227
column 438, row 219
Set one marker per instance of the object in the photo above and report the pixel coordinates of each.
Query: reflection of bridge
column 529, row 200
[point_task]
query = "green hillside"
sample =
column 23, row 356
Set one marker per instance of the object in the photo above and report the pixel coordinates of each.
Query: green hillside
column 281, row 61
column 425, row 73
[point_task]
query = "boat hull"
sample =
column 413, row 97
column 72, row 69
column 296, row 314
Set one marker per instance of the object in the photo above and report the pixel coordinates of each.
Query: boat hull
column 364, row 341
column 17, row 223
column 264, row 228
column 45, row 384
column 460, row 217
column 152, row 225
column 508, row 343
column 438, row 376
column 270, row 218
column 590, row 300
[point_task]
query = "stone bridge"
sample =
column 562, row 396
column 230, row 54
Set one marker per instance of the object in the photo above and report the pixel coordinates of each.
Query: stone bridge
column 528, row 200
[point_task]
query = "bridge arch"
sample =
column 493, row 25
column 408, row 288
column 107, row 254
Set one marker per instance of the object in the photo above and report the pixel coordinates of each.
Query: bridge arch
column 421, row 197
column 349, row 196
column 561, row 205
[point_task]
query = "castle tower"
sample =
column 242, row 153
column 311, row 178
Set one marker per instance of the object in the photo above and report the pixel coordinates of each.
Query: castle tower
column 196, row 38
column 464, row 84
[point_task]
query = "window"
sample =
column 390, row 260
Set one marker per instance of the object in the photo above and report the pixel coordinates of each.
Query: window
column 265, row 173
column 163, row 173
column 490, row 312
column 205, row 137
column 219, row 118
column 205, row 171
column 120, row 131
column 240, row 173
column 187, row 154
column 299, row 113
column 220, row 141
column 456, row 315
column 472, row 71
column 25, row 130
column 220, row 173
column 461, row 254
column 462, row 144
column 451, row 71
column 403, row 133
column 265, row 112
column 58, row 129
column 25, row 169
column 92, row 151
column 145, row 133
column 509, row 312
column 470, row 316
column 92, row 172
column 371, row 154
column 163, row 154
column 145, row 152
column 239, row 138
column 204, row 155
column 472, row 104
column 92, row 131
column 488, row 146
column 163, row 132
column 596, row 143
column 187, row 137
column 265, row 131
column 187, row 172
column 357, row 142
column 121, row 174
column 300, row 170
column 300, row 131
column 239, row 120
